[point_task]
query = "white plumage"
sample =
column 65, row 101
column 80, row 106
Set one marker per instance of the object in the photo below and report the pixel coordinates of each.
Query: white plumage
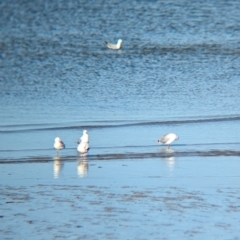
column 58, row 144
column 168, row 139
column 115, row 46
column 83, row 143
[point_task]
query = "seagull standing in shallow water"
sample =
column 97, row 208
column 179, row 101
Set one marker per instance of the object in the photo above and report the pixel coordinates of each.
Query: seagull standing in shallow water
column 168, row 139
column 83, row 143
column 115, row 46
column 58, row 144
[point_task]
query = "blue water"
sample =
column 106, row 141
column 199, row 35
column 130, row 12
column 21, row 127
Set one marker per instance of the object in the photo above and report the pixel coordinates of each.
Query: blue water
column 178, row 71
column 179, row 65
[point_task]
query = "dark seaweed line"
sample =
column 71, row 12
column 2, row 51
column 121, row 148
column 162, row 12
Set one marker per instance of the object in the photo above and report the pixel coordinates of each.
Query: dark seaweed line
column 151, row 123
column 211, row 153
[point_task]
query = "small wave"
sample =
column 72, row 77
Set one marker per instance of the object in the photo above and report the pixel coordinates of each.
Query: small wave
column 207, row 48
column 113, row 124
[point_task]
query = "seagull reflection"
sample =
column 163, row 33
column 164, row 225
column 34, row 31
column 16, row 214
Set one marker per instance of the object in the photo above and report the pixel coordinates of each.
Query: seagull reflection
column 57, row 166
column 170, row 160
column 82, row 167
column 167, row 150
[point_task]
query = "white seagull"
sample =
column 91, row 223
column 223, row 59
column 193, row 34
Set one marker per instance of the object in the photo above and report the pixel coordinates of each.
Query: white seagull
column 115, row 46
column 83, row 143
column 58, row 144
column 168, row 139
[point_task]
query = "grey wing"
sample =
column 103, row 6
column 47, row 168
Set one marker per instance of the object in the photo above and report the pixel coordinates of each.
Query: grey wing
column 164, row 139
column 63, row 145
column 111, row 45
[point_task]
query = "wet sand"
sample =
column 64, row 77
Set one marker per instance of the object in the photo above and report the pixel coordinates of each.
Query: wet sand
column 151, row 198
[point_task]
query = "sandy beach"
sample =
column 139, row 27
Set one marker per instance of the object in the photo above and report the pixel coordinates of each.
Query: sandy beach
column 150, row 198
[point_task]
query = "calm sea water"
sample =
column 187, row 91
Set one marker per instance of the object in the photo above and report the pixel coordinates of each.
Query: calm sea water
column 178, row 71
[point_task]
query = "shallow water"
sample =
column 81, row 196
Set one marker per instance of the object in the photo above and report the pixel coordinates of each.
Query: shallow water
column 178, row 71
column 130, row 139
column 184, row 198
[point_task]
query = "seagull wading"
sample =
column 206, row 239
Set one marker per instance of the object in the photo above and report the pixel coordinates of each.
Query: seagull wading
column 83, row 143
column 168, row 139
column 58, row 144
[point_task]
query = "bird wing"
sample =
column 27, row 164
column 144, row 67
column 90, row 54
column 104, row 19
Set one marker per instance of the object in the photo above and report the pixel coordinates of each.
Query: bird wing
column 111, row 45
column 63, row 145
column 165, row 138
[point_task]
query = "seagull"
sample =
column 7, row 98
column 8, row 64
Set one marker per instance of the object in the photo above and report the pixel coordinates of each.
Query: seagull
column 115, row 46
column 83, row 143
column 58, row 144
column 168, row 139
